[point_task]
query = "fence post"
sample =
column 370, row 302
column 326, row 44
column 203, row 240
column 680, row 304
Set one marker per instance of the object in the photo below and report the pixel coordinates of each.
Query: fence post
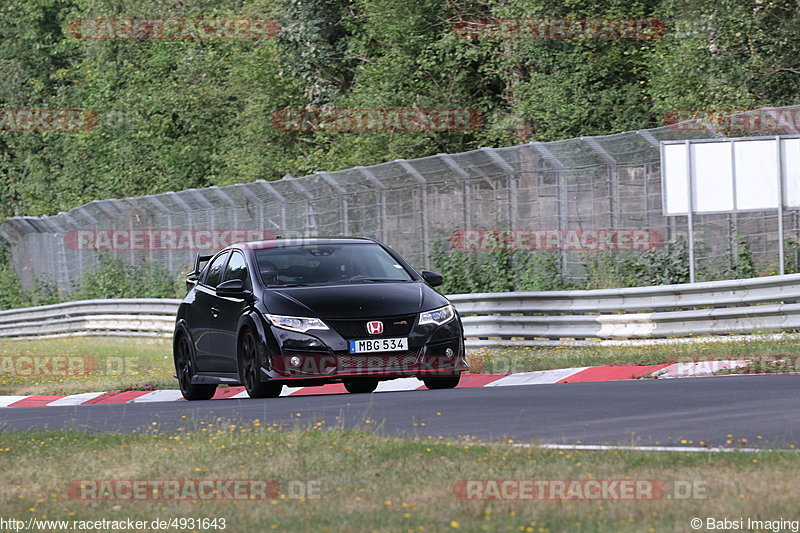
column 690, row 210
column 381, row 200
column 779, row 151
column 344, row 222
column 423, row 184
column 561, row 196
column 733, row 219
column 311, row 219
column 508, row 170
column 281, row 202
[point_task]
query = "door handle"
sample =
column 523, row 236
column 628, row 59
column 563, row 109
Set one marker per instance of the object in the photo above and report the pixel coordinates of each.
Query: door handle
column 215, row 312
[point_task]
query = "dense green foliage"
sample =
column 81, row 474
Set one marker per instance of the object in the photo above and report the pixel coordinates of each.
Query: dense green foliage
column 180, row 114
column 504, row 270
column 112, row 278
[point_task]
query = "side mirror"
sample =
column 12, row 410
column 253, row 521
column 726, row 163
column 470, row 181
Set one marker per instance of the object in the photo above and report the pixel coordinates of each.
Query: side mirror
column 434, row 279
column 190, row 283
column 233, row 288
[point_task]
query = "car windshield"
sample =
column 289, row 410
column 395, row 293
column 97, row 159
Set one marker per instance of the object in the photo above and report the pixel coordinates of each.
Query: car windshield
column 329, row 264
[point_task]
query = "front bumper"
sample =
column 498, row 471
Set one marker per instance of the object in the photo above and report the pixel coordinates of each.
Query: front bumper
column 323, row 356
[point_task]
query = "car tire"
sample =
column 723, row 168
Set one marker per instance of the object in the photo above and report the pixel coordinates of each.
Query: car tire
column 184, row 369
column 449, row 382
column 361, row 386
column 249, row 372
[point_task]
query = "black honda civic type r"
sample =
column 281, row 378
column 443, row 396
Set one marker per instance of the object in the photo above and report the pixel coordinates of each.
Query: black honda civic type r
column 305, row 312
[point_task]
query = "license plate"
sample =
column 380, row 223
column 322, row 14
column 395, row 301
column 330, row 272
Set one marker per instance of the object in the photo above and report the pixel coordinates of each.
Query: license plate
column 379, row 345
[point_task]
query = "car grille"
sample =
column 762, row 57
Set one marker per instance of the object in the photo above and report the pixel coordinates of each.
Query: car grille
column 400, row 360
column 357, row 329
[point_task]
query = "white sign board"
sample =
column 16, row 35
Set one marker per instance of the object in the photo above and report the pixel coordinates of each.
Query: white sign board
column 729, row 175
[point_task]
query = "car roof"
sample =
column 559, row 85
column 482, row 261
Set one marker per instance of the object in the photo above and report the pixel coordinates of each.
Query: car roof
column 314, row 241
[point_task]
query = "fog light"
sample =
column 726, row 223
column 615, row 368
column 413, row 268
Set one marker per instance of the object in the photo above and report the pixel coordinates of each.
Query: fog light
column 448, row 352
column 295, row 361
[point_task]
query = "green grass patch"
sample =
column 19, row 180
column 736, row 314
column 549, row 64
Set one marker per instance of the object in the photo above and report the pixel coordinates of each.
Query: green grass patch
column 369, row 482
column 86, row 364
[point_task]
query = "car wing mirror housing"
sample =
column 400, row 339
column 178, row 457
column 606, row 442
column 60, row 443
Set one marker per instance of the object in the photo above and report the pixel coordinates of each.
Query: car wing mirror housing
column 233, row 288
column 434, row 279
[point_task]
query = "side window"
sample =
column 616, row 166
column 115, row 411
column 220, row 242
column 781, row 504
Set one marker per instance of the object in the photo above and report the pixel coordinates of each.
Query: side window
column 215, row 270
column 237, row 269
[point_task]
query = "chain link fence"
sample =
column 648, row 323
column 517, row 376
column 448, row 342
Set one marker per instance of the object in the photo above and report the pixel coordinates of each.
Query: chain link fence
column 577, row 190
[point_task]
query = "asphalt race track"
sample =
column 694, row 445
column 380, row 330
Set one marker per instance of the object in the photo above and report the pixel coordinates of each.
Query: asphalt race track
column 640, row 412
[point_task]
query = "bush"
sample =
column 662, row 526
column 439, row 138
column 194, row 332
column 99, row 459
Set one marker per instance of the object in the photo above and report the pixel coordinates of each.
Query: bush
column 607, row 270
column 14, row 296
column 11, row 293
column 501, row 270
column 498, row 270
column 539, row 272
column 666, row 265
column 114, row 278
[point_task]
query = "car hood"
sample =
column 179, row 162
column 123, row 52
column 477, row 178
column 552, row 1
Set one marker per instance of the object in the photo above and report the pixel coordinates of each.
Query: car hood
column 367, row 300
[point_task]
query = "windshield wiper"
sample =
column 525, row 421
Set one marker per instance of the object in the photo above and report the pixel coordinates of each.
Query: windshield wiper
column 376, row 280
column 287, row 285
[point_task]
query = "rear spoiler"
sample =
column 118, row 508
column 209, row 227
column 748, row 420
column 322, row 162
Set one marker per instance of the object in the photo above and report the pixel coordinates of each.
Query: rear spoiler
column 191, row 277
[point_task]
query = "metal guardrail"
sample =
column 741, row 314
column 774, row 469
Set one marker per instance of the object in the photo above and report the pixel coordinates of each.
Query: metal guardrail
column 492, row 319
column 709, row 308
column 139, row 317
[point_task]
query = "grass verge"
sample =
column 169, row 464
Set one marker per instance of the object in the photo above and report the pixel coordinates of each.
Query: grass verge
column 509, row 360
column 368, row 482
column 84, row 364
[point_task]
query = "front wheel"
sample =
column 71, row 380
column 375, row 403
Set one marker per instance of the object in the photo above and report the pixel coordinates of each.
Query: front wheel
column 250, row 373
column 442, row 383
column 184, row 367
column 361, row 386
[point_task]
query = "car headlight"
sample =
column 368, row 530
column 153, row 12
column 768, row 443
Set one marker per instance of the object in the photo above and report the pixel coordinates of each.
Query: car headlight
column 440, row 316
column 296, row 323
